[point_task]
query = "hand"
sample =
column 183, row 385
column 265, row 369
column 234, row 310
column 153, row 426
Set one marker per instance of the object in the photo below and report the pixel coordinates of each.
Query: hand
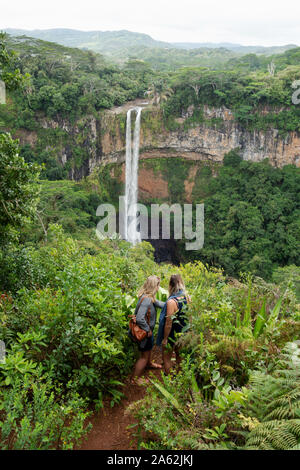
column 149, row 334
column 164, row 342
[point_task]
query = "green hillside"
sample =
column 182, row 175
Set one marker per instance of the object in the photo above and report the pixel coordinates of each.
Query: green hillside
column 108, row 42
column 121, row 45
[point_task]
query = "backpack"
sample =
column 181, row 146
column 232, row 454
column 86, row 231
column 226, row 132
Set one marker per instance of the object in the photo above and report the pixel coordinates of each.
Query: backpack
column 178, row 297
column 137, row 334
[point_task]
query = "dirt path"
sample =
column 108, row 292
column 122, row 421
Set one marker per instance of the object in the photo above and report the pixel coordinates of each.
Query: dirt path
column 109, row 430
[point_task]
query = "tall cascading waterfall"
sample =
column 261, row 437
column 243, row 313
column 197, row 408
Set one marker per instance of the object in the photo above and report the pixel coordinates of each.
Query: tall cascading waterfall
column 131, row 177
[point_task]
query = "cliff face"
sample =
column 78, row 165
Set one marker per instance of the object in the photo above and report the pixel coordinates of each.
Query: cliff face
column 205, row 142
column 94, row 141
column 155, row 185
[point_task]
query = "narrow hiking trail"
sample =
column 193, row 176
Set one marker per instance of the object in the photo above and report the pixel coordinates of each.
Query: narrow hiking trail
column 109, row 430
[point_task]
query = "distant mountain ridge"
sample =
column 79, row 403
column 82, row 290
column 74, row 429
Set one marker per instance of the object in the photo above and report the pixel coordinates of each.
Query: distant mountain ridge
column 236, row 47
column 121, row 42
column 99, row 41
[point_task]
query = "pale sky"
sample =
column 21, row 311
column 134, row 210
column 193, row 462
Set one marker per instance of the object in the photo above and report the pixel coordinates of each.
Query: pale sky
column 263, row 22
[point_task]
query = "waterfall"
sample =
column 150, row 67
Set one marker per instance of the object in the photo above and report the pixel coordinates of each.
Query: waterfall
column 131, row 177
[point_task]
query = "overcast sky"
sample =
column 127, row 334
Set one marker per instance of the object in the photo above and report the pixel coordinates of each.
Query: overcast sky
column 265, row 22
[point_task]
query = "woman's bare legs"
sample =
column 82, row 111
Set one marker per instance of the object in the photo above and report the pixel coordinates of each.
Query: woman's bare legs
column 141, row 364
column 153, row 365
column 167, row 352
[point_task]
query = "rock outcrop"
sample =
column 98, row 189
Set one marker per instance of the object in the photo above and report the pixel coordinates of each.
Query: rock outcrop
column 203, row 142
column 101, row 140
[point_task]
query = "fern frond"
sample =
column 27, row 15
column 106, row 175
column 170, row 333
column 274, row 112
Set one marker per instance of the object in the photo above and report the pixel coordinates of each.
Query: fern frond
column 275, row 402
column 284, row 407
column 276, row 435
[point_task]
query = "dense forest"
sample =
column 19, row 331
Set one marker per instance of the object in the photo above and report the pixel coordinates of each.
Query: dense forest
column 65, row 297
column 252, row 216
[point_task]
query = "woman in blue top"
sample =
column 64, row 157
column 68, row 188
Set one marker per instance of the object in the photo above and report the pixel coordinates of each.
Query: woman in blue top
column 172, row 321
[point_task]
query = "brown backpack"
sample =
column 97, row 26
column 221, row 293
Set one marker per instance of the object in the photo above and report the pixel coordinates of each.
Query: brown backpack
column 137, row 333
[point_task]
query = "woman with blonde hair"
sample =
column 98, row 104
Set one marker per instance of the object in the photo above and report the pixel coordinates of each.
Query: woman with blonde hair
column 145, row 313
column 172, row 321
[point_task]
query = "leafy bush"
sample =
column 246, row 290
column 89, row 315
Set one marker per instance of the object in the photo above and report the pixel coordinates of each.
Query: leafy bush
column 34, row 415
column 18, row 187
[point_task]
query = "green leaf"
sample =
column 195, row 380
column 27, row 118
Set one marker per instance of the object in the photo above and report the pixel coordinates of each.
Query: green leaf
column 247, row 316
column 222, row 427
column 260, row 320
column 238, row 320
column 7, row 380
column 271, row 321
column 162, row 294
column 170, row 398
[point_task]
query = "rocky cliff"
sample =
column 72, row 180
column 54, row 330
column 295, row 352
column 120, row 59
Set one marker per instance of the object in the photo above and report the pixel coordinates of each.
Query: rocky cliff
column 98, row 140
column 208, row 141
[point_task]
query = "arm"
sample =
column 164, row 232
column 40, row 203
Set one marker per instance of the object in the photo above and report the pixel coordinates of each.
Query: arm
column 171, row 309
column 159, row 304
column 141, row 314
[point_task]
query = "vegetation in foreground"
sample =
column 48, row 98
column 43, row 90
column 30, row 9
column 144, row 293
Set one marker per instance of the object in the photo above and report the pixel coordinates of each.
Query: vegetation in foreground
column 238, row 387
column 65, row 331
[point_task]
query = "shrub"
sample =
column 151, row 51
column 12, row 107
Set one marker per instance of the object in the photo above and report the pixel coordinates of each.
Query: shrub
column 34, row 415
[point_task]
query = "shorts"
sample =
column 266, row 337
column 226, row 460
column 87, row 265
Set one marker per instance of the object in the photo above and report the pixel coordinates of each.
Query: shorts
column 147, row 346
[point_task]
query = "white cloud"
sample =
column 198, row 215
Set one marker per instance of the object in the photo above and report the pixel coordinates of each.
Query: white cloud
column 257, row 22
